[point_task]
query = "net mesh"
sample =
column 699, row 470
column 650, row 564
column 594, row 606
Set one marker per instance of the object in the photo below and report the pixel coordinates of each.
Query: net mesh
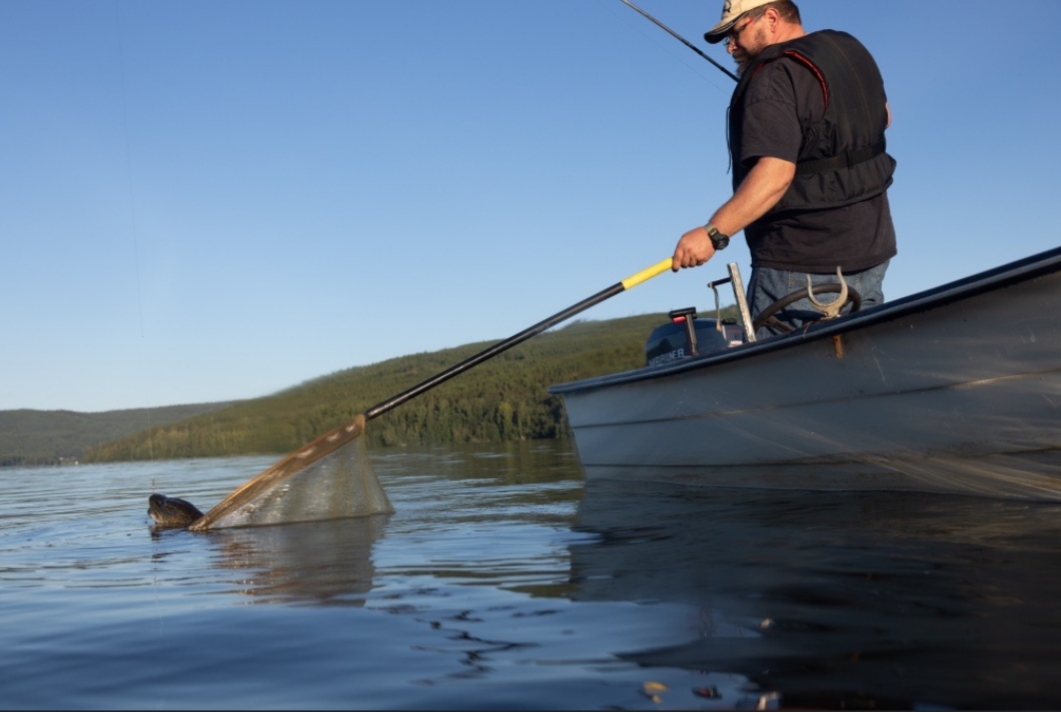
column 330, row 478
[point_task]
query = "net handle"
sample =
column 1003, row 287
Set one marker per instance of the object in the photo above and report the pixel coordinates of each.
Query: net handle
column 473, row 361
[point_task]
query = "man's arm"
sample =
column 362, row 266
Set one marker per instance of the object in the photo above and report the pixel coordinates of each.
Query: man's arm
column 764, row 185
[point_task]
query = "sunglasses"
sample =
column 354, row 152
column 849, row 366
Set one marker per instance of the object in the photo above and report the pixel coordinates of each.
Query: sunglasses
column 733, row 36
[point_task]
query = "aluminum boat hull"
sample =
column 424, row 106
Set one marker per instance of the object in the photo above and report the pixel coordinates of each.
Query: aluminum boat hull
column 956, row 389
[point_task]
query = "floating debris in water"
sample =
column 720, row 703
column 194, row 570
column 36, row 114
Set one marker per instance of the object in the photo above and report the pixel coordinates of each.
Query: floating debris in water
column 651, row 690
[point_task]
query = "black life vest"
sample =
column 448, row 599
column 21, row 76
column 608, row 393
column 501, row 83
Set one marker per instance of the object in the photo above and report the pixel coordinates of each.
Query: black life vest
column 842, row 159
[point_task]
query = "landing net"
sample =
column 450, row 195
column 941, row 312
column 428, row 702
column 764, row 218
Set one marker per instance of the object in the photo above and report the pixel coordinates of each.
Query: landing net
column 324, row 481
column 330, row 478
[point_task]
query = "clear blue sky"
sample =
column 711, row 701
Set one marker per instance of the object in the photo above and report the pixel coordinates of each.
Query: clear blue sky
column 203, row 201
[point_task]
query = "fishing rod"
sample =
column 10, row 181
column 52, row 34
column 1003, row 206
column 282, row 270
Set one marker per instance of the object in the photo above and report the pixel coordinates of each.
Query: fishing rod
column 684, row 41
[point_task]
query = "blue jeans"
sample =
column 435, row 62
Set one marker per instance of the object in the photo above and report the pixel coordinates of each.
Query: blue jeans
column 768, row 285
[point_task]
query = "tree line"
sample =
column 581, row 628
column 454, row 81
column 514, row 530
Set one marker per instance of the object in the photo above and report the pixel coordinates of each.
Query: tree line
column 502, row 399
column 52, row 437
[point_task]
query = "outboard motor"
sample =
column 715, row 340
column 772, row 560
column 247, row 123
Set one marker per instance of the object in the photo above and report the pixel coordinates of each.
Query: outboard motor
column 687, row 335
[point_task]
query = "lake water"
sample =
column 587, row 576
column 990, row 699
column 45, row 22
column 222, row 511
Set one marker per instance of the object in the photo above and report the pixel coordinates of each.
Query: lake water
column 504, row 581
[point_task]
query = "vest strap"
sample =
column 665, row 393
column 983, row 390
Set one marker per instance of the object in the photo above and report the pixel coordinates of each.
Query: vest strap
column 847, row 159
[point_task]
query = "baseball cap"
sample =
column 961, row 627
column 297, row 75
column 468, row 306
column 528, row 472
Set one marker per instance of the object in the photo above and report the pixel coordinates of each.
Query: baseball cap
column 731, row 12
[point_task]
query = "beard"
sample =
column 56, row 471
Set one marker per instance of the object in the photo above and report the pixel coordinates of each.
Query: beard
column 741, row 59
column 744, row 57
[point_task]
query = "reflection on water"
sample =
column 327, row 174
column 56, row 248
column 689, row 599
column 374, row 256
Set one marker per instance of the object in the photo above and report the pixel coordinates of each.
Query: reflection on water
column 841, row 599
column 503, row 580
column 328, row 562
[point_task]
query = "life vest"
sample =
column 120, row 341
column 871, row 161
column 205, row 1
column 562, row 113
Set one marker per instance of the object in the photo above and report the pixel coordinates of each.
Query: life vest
column 842, row 159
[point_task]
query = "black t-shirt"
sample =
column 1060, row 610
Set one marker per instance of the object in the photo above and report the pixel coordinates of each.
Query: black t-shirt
column 783, row 97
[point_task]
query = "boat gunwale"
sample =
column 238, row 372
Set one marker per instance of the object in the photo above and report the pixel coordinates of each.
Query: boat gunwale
column 1006, row 275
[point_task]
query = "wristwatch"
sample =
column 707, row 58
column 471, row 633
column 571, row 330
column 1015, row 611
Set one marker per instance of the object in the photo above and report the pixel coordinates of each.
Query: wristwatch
column 719, row 240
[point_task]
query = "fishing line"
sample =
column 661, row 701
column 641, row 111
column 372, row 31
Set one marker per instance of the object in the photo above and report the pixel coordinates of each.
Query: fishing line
column 129, row 164
column 132, row 207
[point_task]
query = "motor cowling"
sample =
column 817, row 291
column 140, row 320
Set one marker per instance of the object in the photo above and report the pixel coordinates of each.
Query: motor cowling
column 676, row 340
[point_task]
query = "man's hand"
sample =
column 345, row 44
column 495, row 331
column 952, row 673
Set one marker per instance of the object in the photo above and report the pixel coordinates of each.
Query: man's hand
column 694, row 249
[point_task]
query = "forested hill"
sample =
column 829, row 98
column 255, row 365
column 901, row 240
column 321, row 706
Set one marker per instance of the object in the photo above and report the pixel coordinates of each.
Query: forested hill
column 504, row 398
column 52, row 437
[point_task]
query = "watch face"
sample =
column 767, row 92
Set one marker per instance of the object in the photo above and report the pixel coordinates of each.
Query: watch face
column 718, row 240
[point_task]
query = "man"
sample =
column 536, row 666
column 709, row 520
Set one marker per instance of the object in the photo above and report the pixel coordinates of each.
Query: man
column 810, row 173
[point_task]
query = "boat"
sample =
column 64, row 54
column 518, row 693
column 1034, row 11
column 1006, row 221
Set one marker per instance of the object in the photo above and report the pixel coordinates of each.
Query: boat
column 956, row 389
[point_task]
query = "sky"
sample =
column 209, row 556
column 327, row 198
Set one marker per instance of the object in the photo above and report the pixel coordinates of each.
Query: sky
column 206, row 201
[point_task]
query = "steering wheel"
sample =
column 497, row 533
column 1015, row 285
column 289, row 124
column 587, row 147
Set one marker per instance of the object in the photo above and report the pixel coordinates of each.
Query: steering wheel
column 766, row 316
